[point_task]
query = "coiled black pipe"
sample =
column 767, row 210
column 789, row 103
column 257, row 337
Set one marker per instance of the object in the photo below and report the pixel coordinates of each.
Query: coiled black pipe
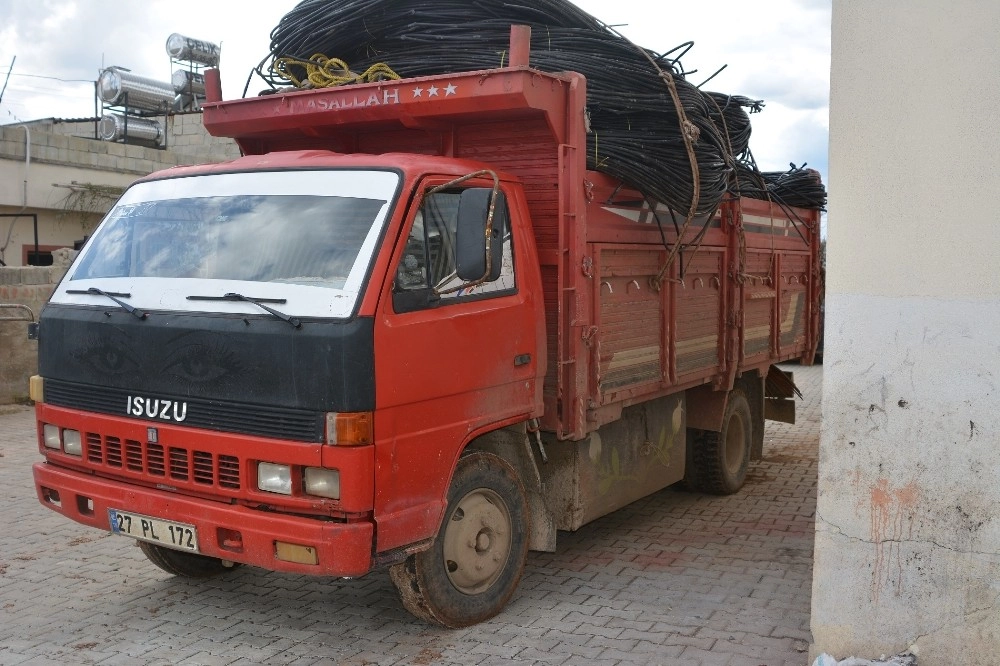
column 799, row 187
column 636, row 129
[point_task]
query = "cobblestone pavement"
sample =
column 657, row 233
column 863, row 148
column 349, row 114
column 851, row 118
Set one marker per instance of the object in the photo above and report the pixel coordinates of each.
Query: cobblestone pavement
column 675, row 578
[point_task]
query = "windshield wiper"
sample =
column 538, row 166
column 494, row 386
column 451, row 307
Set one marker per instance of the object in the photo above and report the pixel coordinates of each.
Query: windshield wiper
column 259, row 302
column 114, row 296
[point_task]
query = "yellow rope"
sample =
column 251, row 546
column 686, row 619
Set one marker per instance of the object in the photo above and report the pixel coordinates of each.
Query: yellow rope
column 323, row 72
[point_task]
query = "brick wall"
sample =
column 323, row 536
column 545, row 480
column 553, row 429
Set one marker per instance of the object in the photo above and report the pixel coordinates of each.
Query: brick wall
column 28, row 286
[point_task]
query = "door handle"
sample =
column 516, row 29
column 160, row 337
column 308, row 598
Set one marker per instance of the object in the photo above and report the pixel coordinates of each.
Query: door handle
column 522, row 359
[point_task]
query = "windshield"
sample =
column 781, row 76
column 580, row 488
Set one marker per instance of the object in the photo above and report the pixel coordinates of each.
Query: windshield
column 262, row 238
column 283, row 229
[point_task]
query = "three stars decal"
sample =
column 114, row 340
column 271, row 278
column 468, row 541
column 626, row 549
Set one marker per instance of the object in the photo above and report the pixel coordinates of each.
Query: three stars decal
column 434, row 91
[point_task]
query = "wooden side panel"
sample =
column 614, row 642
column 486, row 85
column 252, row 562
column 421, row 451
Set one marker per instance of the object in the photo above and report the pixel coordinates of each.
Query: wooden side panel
column 527, row 149
column 758, row 307
column 699, row 321
column 793, row 315
column 630, row 319
column 389, row 141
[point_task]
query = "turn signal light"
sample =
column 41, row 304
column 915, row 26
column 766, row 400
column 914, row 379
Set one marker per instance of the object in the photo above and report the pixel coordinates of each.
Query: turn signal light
column 36, row 388
column 349, row 428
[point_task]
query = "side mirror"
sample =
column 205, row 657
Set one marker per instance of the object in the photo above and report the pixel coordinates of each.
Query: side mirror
column 470, row 236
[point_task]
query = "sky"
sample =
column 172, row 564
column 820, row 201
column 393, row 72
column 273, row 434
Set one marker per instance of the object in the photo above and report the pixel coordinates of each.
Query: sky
column 775, row 50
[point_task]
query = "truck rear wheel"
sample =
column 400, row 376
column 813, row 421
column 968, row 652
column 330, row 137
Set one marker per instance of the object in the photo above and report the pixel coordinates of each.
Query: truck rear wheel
column 184, row 564
column 719, row 461
column 475, row 564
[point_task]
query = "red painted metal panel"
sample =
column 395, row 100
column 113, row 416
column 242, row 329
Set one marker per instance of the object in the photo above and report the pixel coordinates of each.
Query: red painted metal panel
column 109, row 439
column 699, row 319
column 433, row 103
column 445, row 374
column 342, row 548
column 630, row 319
column 759, row 299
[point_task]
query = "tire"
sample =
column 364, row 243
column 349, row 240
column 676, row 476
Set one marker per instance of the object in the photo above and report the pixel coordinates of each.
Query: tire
column 184, row 564
column 718, row 461
column 476, row 561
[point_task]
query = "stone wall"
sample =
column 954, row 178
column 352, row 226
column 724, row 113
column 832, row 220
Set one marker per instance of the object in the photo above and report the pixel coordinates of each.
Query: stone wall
column 28, row 286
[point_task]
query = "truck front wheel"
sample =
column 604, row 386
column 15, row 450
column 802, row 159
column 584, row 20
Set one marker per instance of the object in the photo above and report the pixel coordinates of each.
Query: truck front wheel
column 184, row 564
column 719, row 460
column 472, row 569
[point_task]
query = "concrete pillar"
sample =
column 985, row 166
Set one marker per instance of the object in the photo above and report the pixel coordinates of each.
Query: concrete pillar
column 908, row 516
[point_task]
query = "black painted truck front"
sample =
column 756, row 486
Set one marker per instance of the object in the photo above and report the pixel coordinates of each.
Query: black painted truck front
column 206, row 380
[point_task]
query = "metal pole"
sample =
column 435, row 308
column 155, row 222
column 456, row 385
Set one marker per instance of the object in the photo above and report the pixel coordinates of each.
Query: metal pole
column 8, row 78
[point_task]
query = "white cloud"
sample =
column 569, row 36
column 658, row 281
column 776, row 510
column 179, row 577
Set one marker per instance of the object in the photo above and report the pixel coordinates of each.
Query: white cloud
column 783, row 135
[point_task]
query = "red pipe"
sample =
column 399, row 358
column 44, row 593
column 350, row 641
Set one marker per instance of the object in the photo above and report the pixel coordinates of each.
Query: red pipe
column 213, row 85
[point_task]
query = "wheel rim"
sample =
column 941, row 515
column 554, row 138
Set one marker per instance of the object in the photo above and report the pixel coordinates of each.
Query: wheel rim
column 735, row 444
column 477, row 541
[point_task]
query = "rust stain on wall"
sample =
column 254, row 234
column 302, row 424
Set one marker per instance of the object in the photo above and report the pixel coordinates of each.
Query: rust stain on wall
column 892, row 511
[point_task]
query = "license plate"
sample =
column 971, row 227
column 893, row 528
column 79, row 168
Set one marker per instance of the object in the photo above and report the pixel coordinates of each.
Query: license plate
column 164, row 532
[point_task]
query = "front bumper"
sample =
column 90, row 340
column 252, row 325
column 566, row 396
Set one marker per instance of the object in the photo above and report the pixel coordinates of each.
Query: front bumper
column 342, row 548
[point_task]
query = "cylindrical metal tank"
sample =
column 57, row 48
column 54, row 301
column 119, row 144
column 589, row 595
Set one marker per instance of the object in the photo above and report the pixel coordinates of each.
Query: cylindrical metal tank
column 184, row 102
column 187, row 82
column 112, row 128
column 143, row 93
column 180, row 47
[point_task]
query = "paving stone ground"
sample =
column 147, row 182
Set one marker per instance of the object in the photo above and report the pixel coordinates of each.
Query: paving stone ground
column 676, row 578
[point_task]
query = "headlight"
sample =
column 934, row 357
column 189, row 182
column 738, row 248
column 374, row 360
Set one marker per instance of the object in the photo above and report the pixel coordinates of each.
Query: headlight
column 50, row 436
column 72, row 444
column 323, row 482
column 274, row 478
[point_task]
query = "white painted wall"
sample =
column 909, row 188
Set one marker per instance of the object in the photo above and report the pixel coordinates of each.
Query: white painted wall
column 908, row 517
column 61, row 153
column 47, row 195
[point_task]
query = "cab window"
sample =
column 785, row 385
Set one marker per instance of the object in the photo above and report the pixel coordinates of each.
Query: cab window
column 428, row 266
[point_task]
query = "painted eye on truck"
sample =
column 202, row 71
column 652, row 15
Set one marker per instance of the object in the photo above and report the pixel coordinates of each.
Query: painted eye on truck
column 201, row 363
column 104, row 356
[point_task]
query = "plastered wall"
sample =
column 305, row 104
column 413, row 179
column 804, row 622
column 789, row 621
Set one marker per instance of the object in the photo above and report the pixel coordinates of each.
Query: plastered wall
column 908, row 516
column 46, row 168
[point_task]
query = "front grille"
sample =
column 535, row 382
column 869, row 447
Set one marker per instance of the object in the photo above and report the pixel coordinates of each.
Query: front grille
column 170, row 463
column 155, row 460
column 229, row 472
column 265, row 421
column 133, row 456
column 178, row 464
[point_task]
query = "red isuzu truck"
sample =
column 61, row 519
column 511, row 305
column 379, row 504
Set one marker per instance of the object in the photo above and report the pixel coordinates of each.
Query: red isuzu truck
column 409, row 329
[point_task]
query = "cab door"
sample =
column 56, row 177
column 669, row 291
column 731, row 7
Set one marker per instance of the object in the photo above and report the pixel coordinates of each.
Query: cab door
column 451, row 360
